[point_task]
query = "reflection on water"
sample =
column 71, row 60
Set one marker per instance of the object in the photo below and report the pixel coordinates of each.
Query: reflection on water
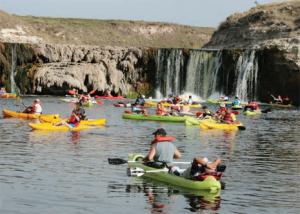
column 67, row 172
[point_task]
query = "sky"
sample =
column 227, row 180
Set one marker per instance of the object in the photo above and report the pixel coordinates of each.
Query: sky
column 203, row 13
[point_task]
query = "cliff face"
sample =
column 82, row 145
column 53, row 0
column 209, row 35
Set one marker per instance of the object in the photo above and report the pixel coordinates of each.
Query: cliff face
column 273, row 30
column 52, row 69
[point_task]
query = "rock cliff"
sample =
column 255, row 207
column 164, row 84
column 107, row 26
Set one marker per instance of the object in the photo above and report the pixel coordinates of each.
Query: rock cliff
column 52, row 69
column 273, row 30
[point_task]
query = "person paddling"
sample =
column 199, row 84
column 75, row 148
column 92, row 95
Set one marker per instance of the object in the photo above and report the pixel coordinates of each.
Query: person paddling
column 253, row 106
column 35, row 108
column 162, row 149
column 227, row 116
column 77, row 115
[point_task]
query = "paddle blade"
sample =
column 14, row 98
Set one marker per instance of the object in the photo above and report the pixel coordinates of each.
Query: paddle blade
column 116, row 161
column 242, row 127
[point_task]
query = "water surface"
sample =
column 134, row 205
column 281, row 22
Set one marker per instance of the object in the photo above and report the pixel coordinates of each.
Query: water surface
column 67, row 172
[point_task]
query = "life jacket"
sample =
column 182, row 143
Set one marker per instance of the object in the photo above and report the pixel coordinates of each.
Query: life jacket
column 203, row 176
column 252, row 105
column 221, row 110
column 228, row 117
column 73, row 120
column 163, row 139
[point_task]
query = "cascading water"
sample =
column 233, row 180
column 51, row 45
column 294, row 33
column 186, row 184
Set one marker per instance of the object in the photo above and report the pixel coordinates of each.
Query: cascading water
column 246, row 74
column 169, row 72
column 202, row 72
column 13, row 67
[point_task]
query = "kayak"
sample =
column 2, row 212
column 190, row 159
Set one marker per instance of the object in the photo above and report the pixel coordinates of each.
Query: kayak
column 9, row 113
column 75, row 100
column 276, row 105
column 83, row 122
column 50, row 127
column 8, row 95
column 251, row 113
column 212, row 124
column 110, row 97
column 215, row 101
column 237, row 107
column 125, row 105
column 210, row 183
column 154, row 104
column 154, row 117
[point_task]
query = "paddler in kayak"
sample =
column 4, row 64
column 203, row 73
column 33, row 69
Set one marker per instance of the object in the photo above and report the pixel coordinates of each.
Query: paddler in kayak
column 140, row 100
column 35, row 108
column 161, row 109
column 77, row 115
column 227, row 116
column 236, row 101
column 252, row 106
column 205, row 114
column 162, row 150
column 138, row 109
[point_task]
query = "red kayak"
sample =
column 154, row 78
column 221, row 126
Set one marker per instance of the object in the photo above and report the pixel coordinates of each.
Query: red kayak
column 110, row 97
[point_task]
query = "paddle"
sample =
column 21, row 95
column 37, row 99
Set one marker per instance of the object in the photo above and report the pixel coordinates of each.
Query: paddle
column 140, row 172
column 242, row 128
column 119, row 161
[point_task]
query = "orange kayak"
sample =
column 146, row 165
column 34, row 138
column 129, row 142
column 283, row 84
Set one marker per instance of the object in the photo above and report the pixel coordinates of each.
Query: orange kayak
column 9, row 113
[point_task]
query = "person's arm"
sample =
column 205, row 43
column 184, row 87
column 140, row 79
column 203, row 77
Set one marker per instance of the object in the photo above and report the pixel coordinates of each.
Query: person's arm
column 177, row 154
column 151, row 154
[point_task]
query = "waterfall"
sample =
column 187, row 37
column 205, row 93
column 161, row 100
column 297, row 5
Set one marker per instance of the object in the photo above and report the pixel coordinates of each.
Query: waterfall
column 169, row 72
column 13, row 67
column 202, row 72
column 246, row 76
column 206, row 74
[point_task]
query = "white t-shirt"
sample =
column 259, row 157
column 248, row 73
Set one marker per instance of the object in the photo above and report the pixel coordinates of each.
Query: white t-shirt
column 38, row 108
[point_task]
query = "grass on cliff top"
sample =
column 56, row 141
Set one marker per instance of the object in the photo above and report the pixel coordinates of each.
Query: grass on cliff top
column 117, row 32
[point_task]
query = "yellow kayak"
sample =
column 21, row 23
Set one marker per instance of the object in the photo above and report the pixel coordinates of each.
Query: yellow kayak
column 47, row 119
column 50, row 127
column 8, row 95
column 154, row 104
column 9, row 113
column 212, row 124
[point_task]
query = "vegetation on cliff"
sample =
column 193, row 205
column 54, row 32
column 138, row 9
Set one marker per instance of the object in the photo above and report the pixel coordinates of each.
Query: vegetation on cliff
column 29, row 29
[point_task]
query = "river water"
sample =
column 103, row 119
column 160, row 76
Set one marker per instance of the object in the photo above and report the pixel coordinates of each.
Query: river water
column 67, row 172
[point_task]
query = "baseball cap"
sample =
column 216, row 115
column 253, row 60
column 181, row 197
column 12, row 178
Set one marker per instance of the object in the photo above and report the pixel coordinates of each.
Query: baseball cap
column 160, row 131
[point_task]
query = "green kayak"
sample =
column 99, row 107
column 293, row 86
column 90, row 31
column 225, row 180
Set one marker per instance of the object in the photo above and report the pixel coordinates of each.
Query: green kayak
column 251, row 113
column 210, row 183
column 132, row 116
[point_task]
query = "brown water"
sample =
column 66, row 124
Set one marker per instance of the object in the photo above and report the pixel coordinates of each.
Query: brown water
column 65, row 172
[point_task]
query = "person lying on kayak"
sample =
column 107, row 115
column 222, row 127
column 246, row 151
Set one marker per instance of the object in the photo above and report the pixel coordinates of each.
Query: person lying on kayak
column 162, row 149
column 252, row 106
column 35, row 108
column 140, row 100
column 199, row 168
column 227, row 116
column 206, row 113
column 277, row 100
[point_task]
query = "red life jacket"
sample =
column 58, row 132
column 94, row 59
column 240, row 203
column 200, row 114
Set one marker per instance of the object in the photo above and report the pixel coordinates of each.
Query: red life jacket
column 163, row 139
column 228, row 117
column 221, row 109
column 73, row 120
